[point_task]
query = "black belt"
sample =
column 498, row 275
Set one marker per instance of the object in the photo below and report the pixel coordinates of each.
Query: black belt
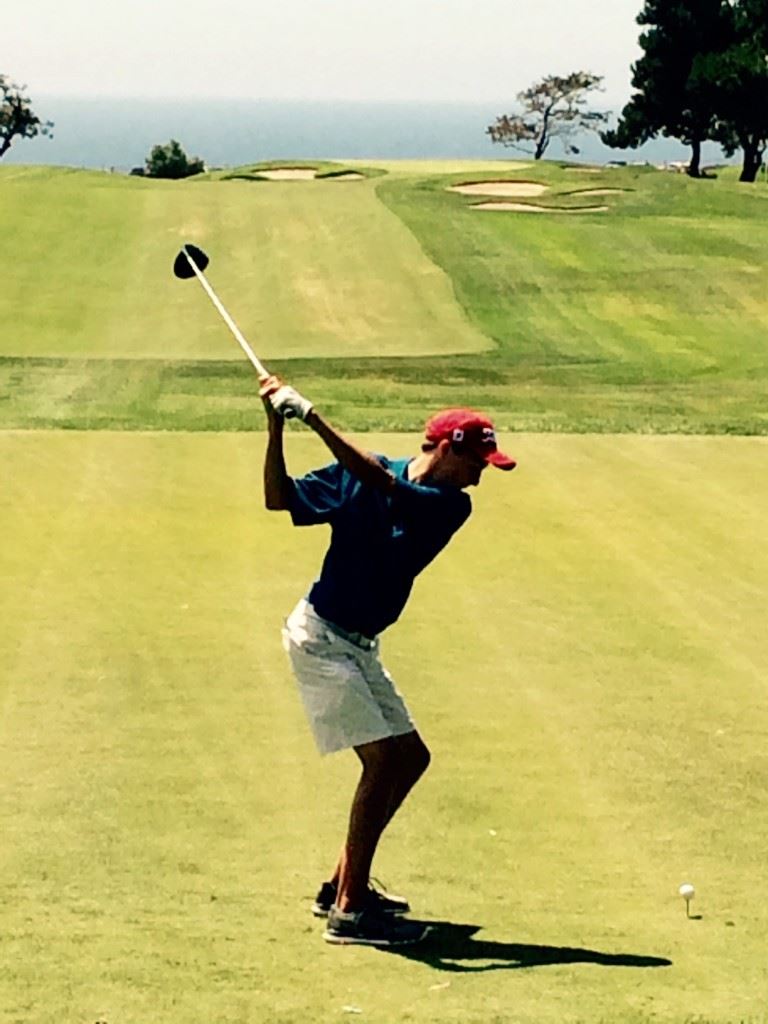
column 366, row 643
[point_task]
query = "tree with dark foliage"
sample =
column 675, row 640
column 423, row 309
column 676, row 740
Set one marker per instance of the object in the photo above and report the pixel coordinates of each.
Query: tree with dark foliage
column 673, row 95
column 552, row 108
column 741, row 94
column 170, row 161
column 17, row 119
column 703, row 75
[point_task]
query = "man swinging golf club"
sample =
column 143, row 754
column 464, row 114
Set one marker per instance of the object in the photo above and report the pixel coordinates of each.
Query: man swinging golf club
column 389, row 518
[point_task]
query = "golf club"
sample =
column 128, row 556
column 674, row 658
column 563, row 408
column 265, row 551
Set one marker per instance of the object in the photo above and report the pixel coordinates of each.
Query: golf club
column 191, row 262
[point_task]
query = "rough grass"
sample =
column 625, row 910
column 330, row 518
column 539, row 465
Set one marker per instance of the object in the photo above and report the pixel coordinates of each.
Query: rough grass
column 586, row 662
column 665, row 286
column 369, row 394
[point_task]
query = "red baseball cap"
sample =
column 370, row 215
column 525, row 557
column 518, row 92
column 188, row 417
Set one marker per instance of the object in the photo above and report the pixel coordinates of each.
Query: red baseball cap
column 469, row 428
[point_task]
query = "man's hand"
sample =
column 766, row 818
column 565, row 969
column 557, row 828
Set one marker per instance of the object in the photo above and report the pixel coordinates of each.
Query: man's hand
column 284, row 400
column 287, row 402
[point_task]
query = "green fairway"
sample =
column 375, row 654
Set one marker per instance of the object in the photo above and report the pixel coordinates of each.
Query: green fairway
column 387, row 294
column 306, row 268
column 667, row 283
column 586, row 661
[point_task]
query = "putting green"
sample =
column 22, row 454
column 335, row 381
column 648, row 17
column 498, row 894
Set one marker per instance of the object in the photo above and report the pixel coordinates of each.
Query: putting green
column 586, row 661
column 416, row 167
column 318, row 267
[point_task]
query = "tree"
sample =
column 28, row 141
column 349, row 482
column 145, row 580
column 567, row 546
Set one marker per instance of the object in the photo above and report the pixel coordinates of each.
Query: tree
column 741, row 94
column 170, row 161
column 552, row 108
column 674, row 96
column 17, row 119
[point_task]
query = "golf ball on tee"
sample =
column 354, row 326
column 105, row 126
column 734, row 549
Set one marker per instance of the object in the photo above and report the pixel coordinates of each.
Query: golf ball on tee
column 687, row 891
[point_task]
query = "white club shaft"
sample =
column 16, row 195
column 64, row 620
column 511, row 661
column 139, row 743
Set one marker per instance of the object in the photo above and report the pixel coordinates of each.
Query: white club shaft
column 258, row 367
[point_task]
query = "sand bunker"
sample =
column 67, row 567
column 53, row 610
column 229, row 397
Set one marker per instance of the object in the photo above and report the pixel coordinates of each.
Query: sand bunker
column 346, row 176
column 530, row 208
column 289, row 174
column 599, row 191
column 306, row 174
column 499, row 188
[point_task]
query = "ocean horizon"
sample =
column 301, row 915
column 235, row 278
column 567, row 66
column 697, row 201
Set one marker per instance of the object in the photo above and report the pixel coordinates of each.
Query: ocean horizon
column 118, row 134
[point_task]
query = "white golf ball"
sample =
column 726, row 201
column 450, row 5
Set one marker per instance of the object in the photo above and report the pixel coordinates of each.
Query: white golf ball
column 687, row 891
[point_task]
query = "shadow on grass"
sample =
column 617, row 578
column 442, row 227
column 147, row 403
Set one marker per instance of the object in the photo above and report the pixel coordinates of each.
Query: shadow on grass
column 453, row 947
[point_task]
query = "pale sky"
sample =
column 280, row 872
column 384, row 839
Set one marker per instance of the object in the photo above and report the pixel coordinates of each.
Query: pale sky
column 431, row 50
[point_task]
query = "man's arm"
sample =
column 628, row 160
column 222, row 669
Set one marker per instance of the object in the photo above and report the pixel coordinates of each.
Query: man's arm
column 364, row 467
column 277, row 483
column 280, row 400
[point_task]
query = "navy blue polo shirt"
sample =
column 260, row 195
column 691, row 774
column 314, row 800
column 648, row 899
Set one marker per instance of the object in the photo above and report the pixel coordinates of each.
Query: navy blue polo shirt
column 379, row 541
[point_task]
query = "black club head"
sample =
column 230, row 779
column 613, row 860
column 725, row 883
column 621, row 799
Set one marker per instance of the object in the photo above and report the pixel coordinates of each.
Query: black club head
column 183, row 268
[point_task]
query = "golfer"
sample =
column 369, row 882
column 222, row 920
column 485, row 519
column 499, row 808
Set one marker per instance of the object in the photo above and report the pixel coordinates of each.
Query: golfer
column 389, row 518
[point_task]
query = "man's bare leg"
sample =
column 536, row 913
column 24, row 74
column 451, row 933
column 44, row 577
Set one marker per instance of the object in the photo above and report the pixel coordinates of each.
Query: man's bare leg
column 391, row 767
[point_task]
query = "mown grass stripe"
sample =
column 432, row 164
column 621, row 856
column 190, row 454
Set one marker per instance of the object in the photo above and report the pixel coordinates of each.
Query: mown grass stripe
column 584, row 662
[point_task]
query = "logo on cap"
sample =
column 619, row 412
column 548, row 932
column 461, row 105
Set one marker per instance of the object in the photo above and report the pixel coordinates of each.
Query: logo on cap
column 471, row 429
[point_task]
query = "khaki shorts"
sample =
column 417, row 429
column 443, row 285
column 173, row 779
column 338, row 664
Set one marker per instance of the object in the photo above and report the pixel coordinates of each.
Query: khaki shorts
column 348, row 695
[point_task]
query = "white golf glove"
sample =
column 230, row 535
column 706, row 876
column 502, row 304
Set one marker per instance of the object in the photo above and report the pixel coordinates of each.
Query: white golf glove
column 287, row 402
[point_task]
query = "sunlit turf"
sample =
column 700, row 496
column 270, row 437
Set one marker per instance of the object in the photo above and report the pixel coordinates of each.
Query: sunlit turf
column 665, row 285
column 586, row 662
column 384, row 296
column 367, row 394
column 306, row 268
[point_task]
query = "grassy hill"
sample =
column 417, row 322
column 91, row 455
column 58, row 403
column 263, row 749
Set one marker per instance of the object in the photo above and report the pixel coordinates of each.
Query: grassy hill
column 386, row 294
